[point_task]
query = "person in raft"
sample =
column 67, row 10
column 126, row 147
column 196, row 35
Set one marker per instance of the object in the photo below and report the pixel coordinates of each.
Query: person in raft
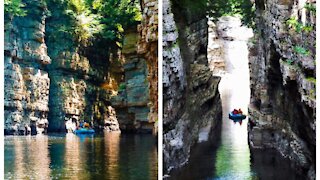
column 86, row 125
column 81, row 125
column 235, row 111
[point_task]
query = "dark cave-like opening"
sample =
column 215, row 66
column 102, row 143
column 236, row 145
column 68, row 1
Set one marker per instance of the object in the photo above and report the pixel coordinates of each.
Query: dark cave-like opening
column 274, row 81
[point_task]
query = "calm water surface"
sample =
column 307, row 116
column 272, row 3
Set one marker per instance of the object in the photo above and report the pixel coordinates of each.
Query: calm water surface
column 104, row 156
column 227, row 156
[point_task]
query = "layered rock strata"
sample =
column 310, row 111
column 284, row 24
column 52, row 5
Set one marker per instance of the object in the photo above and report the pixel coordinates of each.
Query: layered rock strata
column 84, row 74
column 133, row 94
column 282, row 70
column 26, row 80
column 148, row 48
column 79, row 73
column 215, row 50
column 137, row 100
column 191, row 101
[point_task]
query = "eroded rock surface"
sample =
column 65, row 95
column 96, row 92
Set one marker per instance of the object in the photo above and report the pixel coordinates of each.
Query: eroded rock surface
column 76, row 80
column 148, row 48
column 191, row 101
column 26, row 80
column 79, row 73
column 133, row 96
column 282, row 70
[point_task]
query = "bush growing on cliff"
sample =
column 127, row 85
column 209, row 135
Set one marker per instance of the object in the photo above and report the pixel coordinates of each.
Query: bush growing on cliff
column 115, row 16
column 301, row 50
column 14, row 8
column 310, row 7
column 101, row 19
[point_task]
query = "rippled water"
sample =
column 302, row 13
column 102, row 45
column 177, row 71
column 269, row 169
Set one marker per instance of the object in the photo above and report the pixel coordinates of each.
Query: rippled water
column 228, row 156
column 104, row 156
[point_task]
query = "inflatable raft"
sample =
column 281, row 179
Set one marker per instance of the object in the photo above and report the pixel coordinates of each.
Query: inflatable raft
column 236, row 116
column 84, row 131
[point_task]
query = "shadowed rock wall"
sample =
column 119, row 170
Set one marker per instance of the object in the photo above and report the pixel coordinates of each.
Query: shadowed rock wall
column 78, row 73
column 82, row 74
column 282, row 70
column 191, row 101
column 133, row 94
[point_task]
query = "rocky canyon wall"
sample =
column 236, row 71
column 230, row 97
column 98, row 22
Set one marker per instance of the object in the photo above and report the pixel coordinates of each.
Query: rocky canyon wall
column 191, row 101
column 132, row 100
column 137, row 100
column 26, row 81
column 58, row 74
column 148, row 48
column 282, row 70
column 78, row 73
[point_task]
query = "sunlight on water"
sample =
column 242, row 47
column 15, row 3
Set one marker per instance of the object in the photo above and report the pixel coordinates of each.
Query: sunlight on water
column 59, row 156
column 233, row 156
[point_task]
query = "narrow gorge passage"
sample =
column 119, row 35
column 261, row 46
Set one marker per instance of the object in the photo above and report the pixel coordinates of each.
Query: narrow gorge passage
column 227, row 155
column 281, row 103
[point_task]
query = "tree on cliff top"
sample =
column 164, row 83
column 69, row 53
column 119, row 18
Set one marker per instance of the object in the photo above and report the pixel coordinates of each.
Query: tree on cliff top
column 219, row 8
column 116, row 15
column 244, row 8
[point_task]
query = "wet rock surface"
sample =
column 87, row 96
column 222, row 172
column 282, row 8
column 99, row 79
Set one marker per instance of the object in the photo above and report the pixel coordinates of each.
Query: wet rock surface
column 282, row 70
column 191, row 101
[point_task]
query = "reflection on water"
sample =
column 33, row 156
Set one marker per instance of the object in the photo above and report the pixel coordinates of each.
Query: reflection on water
column 105, row 156
column 35, row 159
column 233, row 155
column 112, row 155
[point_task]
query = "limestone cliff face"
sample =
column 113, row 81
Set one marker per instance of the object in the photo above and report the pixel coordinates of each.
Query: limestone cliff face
column 191, row 101
column 137, row 99
column 148, row 48
column 282, row 70
column 79, row 75
column 132, row 100
column 26, row 81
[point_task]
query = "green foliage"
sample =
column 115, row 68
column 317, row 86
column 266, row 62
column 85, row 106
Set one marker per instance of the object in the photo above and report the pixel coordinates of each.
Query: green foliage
column 297, row 26
column 101, row 19
column 301, row 50
column 244, row 8
column 14, row 8
column 195, row 7
column 115, row 16
column 219, row 8
column 122, row 86
column 290, row 61
column 312, row 79
column 307, row 28
column 312, row 94
column 310, row 7
column 98, row 19
column 294, row 24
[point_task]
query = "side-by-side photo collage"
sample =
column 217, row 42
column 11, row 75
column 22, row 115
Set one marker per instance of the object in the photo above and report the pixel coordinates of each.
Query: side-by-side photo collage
column 158, row 89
